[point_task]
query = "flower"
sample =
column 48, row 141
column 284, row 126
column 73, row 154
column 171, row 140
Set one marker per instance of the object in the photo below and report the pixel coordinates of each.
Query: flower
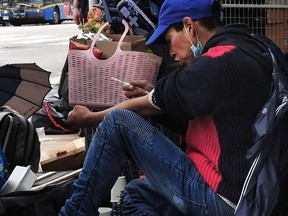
column 95, row 19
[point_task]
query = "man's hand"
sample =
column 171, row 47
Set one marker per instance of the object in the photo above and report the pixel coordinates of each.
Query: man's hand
column 131, row 92
column 82, row 117
column 77, row 16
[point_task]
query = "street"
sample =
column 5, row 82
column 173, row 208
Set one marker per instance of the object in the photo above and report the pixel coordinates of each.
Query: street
column 46, row 45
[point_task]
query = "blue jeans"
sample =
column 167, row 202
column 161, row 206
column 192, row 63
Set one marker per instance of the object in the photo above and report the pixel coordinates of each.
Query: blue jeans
column 173, row 185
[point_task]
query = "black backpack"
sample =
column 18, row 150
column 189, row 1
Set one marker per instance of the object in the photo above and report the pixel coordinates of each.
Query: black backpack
column 265, row 191
column 19, row 140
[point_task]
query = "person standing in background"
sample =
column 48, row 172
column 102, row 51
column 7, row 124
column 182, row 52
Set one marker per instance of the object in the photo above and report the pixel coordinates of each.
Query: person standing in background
column 80, row 10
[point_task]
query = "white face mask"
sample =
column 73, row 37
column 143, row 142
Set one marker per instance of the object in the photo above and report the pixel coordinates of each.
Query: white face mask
column 196, row 50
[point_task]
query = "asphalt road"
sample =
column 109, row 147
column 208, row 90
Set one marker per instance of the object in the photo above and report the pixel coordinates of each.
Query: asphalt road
column 46, row 45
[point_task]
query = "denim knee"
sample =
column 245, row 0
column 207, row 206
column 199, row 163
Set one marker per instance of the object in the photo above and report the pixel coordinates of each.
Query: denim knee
column 134, row 199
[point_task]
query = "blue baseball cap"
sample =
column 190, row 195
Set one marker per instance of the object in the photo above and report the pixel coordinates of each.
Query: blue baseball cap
column 173, row 11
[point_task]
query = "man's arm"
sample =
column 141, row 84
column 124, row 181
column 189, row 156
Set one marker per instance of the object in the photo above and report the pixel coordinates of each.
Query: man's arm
column 82, row 117
column 76, row 13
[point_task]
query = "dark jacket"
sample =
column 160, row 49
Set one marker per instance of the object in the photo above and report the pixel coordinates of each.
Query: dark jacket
column 221, row 94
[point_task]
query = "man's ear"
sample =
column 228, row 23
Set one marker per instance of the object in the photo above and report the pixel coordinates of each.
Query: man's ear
column 189, row 24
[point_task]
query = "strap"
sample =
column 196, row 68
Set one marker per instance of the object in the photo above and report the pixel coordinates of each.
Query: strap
column 96, row 37
column 5, row 110
column 9, row 129
column 3, row 114
column 48, row 110
column 123, row 35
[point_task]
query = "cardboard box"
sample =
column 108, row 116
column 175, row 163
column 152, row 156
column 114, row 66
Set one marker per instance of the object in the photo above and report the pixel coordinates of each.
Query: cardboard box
column 69, row 156
column 278, row 32
column 130, row 43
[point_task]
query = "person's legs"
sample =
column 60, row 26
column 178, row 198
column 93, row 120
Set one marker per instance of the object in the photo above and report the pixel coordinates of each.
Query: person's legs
column 172, row 173
column 140, row 197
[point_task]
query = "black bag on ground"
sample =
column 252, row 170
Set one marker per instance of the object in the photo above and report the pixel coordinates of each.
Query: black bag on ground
column 19, row 140
column 52, row 119
column 54, row 111
column 46, row 202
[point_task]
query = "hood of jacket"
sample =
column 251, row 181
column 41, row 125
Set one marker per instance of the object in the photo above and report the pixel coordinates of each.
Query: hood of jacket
column 240, row 36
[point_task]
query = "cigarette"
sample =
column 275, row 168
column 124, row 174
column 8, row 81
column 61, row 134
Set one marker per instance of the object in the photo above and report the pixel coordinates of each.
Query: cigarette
column 118, row 80
column 127, row 83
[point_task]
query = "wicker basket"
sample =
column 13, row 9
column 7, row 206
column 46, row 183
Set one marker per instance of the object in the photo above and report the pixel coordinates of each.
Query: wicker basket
column 89, row 78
